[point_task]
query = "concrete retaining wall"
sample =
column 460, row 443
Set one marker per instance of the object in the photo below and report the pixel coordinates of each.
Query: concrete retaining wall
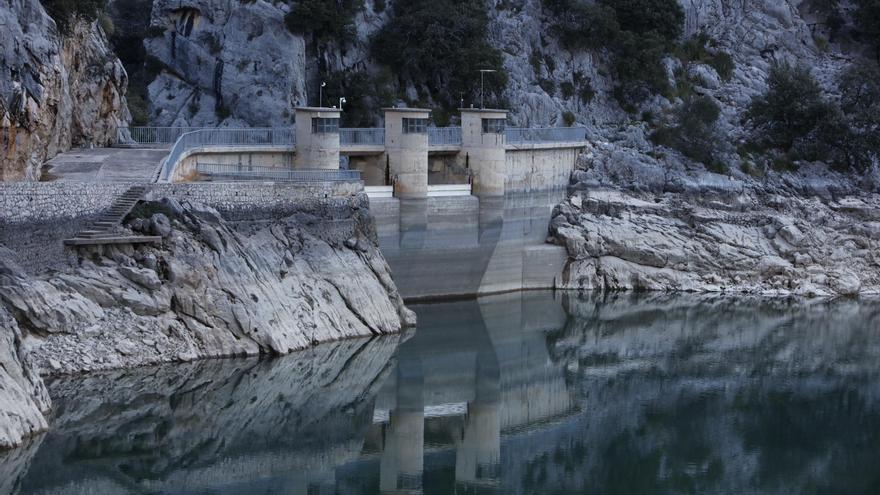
column 254, row 200
column 538, row 168
column 36, row 216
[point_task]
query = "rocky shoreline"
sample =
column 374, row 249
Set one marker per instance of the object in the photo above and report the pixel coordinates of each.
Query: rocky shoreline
column 211, row 288
column 631, row 223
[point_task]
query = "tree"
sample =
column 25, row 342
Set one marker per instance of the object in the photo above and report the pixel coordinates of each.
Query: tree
column 664, row 17
column 439, row 45
column 583, row 26
column 860, row 104
column 868, row 19
column 66, row 12
column 694, row 131
column 325, row 20
column 791, row 108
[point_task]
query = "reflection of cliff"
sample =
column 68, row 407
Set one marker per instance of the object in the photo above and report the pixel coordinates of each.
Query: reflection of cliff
column 506, row 394
column 215, row 424
column 715, row 395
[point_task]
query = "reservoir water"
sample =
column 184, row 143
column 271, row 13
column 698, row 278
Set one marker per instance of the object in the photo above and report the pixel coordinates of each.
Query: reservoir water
column 529, row 392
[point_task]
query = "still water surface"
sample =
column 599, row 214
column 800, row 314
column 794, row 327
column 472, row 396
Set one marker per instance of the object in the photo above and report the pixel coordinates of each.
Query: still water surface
column 518, row 393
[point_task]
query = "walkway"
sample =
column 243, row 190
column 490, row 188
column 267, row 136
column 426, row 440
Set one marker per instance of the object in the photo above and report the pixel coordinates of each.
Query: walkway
column 106, row 165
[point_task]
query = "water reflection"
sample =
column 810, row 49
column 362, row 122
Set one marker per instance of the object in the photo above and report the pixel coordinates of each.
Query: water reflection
column 517, row 393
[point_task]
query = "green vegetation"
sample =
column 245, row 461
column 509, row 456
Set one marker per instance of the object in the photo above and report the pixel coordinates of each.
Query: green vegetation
column 795, row 121
column 324, row 20
column 129, row 47
column 868, row 20
column 791, row 108
column 364, row 95
column 693, row 131
column 437, row 46
column 66, row 12
column 701, row 48
column 637, row 33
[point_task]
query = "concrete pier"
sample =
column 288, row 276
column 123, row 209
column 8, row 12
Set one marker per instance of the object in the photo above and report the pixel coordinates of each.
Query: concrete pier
column 406, row 145
column 482, row 147
column 317, row 138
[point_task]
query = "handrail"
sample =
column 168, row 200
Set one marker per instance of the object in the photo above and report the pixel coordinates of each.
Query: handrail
column 226, row 137
column 534, row 135
column 153, row 135
column 244, row 172
column 366, row 136
column 444, row 136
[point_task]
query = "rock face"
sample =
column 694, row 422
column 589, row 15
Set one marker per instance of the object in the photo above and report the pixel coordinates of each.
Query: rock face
column 234, row 62
column 210, row 289
column 632, row 223
column 56, row 91
column 23, row 397
column 226, row 62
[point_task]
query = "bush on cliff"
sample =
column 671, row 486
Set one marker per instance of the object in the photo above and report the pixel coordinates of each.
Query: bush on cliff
column 66, row 12
column 438, row 47
column 791, row 108
column 693, row 131
column 324, row 20
column 868, row 20
column 638, row 34
column 795, row 118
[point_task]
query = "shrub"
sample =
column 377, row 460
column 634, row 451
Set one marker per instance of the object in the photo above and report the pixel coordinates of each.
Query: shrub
column 580, row 25
column 697, row 49
column 663, row 17
column 637, row 33
column 587, row 93
column 66, row 12
column 548, row 85
column 324, row 20
column 694, row 131
column 640, row 70
column 567, row 89
column 791, row 108
column 439, row 46
column 867, row 18
column 568, row 119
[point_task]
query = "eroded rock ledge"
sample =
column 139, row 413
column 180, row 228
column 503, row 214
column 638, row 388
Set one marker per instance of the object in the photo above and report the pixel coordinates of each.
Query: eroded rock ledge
column 212, row 288
column 631, row 224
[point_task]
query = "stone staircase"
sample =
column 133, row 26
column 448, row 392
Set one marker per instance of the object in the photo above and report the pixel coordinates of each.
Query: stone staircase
column 103, row 230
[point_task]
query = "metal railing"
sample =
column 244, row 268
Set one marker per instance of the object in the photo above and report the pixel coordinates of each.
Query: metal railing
column 444, row 136
column 545, row 135
column 242, row 172
column 362, row 136
column 152, row 135
column 225, row 137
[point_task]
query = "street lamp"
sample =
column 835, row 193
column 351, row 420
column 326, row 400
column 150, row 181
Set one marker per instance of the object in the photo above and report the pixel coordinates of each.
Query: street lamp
column 321, row 95
column 482, row 84
column 341, row 101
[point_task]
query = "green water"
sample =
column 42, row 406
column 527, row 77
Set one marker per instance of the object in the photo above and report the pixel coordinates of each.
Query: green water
column 519, row 393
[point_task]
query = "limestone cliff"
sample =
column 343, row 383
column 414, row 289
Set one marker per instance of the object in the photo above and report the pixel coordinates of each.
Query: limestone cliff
column 56, row 91
column 234, row 62
column 631, row 223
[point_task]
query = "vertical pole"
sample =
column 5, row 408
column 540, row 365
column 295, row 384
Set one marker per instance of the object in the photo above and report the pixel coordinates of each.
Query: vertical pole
column 482, row 79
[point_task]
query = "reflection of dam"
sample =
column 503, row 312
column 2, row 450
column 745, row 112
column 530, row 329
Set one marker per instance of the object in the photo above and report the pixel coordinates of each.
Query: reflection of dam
column 464, row 245
column 471, row 372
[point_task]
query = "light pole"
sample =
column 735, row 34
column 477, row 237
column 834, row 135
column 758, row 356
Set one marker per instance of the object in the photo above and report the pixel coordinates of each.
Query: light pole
column 341, row 101
column 321, row 95
column 482, row 84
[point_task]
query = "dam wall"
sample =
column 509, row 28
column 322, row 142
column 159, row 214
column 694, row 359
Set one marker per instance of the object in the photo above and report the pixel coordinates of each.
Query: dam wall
column 461, row 246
